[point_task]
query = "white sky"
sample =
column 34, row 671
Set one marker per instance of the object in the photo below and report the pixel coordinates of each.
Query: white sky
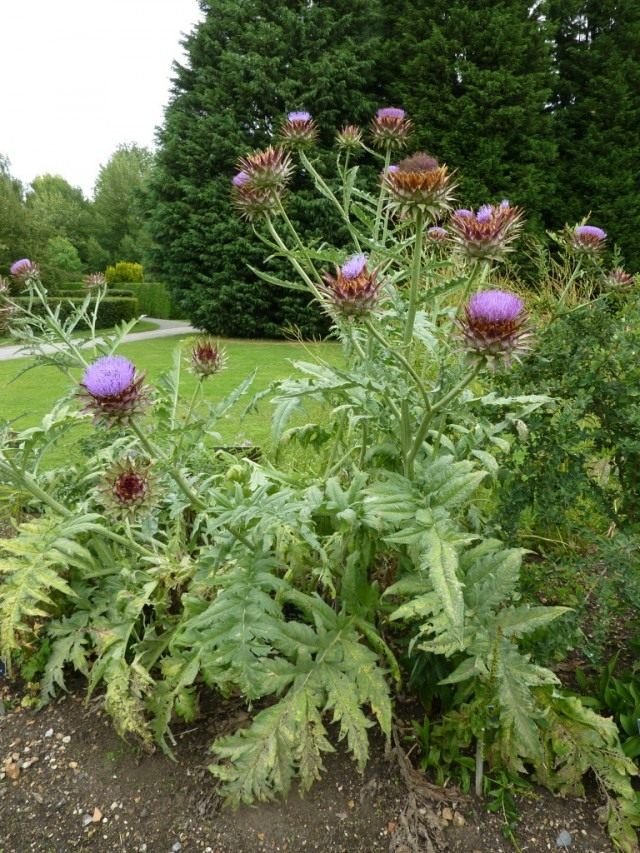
column 80, row 77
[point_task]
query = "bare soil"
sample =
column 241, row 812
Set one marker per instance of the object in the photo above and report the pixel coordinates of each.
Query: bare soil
column 69, row 783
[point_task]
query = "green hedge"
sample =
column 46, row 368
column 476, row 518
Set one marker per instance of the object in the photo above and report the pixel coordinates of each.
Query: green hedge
column 112, row 310
column 153, row 300
column 78, row 297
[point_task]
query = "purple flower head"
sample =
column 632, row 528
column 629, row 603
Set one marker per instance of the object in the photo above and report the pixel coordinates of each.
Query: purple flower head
column 354, row 266
column 109, row 376
column 21, row 267
column 463, row 212
column 240, row 179
column 494, row 326
column 299, row 115
column 495, row 306
column 484, row 213
column 391, row 112
column 504, row 204
column 393, row 168
column 590, row 231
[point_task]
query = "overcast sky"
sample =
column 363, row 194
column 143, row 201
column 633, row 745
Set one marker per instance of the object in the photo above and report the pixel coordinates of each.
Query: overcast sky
column 80, row 77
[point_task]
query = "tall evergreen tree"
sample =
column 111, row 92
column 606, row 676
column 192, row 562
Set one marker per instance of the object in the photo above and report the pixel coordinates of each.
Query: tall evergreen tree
column 476, row 78
column 597, row 115
column 249, row 63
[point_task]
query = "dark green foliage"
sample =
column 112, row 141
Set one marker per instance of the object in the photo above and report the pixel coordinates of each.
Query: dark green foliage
column 581, row 463
column 111, row 311
column 248, row 64
column 597, row 116
column 476, row 78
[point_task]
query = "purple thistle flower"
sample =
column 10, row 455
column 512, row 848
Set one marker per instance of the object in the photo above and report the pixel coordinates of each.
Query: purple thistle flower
column 113, row 388
column 494, row 325
column 390, row 127
column 240, row 179
column 24, row 269
column 590, row 231
column 109, row 376
column 495, row 306
column 588, row 238
column 391, row 112
column 354, row 266
column 299, row 115
column 488, row 233
column 393, row 168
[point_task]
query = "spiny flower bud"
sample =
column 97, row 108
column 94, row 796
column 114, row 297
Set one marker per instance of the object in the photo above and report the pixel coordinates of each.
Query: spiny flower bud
column 494, row 325
column 588, row 238
column 258, row 186
column 95, row 279
column 269, row 169
column 349, row 138
column 24, row 270
column 127, row 486
column 418, row 182
column 488, row 233
column 437, row 234
column 353, row 290
column 619, row 279
column 113, row 389
column 391, row 127
column 207, row 357
column 299, row 130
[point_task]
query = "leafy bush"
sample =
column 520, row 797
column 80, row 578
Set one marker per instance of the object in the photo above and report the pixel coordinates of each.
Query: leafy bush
column 124, row 272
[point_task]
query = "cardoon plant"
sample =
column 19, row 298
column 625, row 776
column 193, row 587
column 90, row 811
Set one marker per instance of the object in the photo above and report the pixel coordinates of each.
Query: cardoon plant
column 296, row 585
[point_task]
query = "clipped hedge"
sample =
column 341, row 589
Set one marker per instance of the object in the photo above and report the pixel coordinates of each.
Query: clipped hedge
column 153, row 300
column 78, row 297
column 112, row 309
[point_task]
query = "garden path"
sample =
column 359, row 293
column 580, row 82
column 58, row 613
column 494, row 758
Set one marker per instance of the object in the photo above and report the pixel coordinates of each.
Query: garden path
column 165, row 328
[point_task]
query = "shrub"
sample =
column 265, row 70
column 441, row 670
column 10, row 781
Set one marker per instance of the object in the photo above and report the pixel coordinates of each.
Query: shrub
column 124, row 271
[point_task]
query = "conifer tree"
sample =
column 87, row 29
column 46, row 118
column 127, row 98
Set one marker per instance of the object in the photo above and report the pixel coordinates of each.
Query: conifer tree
column 597, row 116
column 249, row 62
column 476, row 79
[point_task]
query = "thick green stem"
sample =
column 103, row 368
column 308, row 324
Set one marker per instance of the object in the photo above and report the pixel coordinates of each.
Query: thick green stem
column 155, row 452
column 376, row 229
column 416, row 270
column 402, row 360
column 479, row 766
column 436, row 407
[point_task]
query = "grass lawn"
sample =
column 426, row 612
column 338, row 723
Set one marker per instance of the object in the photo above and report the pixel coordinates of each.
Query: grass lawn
column 31, row 396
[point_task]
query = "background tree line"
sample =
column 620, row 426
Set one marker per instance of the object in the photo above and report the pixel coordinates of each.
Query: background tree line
column 533, row 102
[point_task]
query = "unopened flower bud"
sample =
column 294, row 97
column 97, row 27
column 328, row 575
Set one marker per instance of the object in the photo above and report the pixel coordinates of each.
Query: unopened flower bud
column 418, row 182
column 349, row 138
column 207, row 357
column 127, row 487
